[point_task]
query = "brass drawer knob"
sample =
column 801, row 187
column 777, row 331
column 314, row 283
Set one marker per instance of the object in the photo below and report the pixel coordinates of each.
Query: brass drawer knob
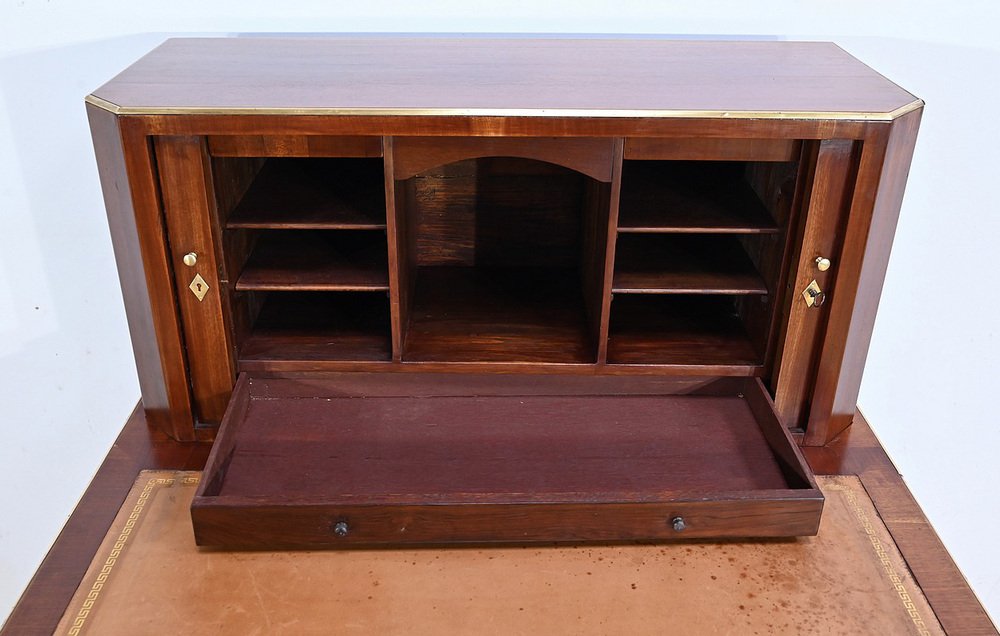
column 190, row 259
column 822, row 263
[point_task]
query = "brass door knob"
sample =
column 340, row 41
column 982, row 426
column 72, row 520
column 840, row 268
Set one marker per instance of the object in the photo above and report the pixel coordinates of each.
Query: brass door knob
column 190, row 259
column 822, row 263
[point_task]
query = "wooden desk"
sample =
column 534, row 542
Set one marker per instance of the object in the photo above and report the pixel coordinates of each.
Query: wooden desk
column 636, row 221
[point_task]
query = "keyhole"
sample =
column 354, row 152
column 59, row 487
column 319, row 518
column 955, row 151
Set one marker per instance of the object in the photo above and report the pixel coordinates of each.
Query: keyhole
column 199, row 286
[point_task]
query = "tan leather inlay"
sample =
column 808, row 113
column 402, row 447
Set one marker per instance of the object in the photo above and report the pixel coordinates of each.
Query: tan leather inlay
column 149, row 578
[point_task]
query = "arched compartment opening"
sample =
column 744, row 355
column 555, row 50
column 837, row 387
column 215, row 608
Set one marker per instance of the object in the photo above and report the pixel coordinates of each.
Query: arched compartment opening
column 501, row 260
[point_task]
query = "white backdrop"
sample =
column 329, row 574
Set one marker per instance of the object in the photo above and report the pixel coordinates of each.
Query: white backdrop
column 67, row 381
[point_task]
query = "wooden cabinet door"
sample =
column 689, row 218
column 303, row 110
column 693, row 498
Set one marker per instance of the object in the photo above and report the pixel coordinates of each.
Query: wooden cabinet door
column 195, row 252
column 832, row 175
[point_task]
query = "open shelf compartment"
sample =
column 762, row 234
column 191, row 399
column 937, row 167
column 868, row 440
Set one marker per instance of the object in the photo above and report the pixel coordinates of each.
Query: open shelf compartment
column 313, row 194
column 682, row 330
column 365, row 460
column 318, row 260
column 317, row 326
column 684, row 264
column 477, row 314
column 690, row 196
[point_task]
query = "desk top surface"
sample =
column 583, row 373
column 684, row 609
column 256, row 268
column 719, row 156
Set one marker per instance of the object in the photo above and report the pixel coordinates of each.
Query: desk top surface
column 503, row 76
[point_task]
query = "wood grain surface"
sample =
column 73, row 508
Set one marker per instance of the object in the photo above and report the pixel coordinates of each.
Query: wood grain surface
column 553, row 76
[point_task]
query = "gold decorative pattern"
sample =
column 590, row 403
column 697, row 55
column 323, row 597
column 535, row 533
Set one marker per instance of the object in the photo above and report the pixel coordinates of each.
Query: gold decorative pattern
column 883, row 556
column 509, row 112
column 119, row 547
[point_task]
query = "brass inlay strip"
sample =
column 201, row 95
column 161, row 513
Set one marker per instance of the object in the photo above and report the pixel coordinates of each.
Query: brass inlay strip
column 94, row 100
column 509, row 112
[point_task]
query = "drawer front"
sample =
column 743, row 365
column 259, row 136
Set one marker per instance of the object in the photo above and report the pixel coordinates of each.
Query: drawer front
column 315, row 526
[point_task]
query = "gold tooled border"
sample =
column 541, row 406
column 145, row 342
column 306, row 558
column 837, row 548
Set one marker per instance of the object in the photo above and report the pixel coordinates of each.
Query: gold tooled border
column 119, row 546
column 883, row 556
column 510, row 112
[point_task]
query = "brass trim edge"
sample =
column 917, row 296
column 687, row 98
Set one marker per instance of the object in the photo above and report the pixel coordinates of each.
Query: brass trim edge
column 111, row 107
column 508, row 112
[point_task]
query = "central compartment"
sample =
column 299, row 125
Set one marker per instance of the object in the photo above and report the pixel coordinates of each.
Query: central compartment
column 505, row 260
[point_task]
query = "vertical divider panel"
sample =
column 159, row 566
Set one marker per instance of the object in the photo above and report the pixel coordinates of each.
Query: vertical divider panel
column 593, row 263
column 782, row 186
column 611, row 240
column 399, row 272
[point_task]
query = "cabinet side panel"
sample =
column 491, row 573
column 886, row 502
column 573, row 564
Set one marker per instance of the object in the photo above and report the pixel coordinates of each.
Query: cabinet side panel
column 131, row 197
column 878, row 195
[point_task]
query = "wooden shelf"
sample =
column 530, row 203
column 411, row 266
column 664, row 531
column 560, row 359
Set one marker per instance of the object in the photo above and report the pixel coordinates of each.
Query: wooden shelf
column 317, row 260
column 314, row 194
column 680, row 330
column 690, row 197
column 320, row 326
column 684, row 265
column 475, row 314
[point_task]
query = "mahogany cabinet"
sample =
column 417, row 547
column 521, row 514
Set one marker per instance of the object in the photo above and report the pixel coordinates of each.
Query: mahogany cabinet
column 446, row 290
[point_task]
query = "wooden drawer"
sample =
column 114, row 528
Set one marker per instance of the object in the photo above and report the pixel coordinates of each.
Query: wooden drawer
column 365, row 460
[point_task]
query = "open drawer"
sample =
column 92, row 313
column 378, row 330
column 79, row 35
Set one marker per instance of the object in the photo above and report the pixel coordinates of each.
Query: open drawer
column 360, row 459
